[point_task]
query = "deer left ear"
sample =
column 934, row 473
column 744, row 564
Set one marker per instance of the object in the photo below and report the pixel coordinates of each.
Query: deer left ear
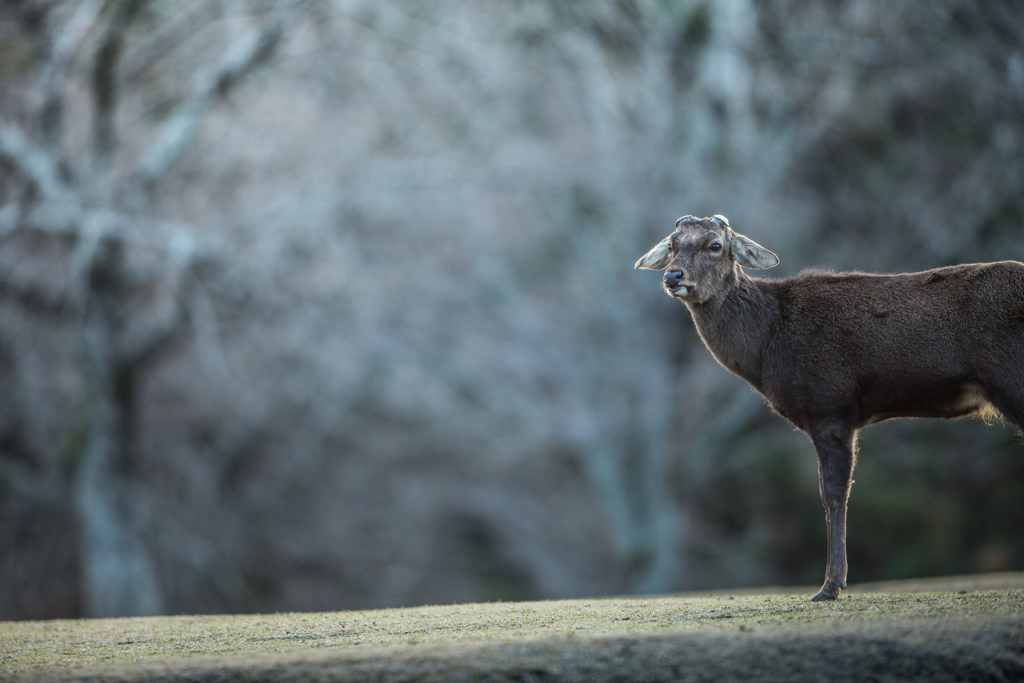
column 750, row 254
column 657, row 258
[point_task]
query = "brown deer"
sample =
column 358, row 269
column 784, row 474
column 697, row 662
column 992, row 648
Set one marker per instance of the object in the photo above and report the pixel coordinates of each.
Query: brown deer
column 836, row 352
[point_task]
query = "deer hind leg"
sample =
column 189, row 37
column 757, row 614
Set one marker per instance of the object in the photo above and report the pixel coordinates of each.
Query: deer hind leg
column 834, row 442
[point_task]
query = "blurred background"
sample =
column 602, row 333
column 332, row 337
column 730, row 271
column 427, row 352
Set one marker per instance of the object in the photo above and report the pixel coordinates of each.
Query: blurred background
column 329, row 304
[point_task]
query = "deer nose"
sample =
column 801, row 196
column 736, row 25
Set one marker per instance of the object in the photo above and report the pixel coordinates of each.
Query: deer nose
column 674, row 283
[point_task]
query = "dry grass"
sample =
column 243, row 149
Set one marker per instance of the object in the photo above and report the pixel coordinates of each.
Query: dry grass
column 939, row 634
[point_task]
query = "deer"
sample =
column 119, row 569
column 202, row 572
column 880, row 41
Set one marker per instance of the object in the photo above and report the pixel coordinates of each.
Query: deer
column 836, row 352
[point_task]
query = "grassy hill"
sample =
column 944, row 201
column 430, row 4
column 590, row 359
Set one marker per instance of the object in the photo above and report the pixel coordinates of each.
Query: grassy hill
column 959, row 628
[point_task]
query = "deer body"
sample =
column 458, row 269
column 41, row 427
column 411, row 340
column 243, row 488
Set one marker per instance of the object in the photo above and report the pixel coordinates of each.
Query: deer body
column 833, row 353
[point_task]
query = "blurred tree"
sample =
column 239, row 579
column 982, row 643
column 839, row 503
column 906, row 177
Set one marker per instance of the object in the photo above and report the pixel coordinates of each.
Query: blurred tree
column 121, row 283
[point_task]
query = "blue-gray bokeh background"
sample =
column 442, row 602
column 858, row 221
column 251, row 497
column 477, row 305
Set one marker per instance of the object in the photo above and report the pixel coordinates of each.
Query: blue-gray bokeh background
column 329, row 304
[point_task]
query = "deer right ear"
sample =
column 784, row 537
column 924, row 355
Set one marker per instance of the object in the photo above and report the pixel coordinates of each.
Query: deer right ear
column 657, row 258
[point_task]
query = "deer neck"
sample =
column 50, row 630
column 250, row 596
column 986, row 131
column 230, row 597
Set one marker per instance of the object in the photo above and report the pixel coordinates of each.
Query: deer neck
column 736, row 324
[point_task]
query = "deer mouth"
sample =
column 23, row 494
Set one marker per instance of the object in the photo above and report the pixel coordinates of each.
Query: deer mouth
column 680, row 290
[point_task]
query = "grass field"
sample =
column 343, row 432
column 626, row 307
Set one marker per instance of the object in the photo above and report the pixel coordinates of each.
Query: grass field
column 958, row 628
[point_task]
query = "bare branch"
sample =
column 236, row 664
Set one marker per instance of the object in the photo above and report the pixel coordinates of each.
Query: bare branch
column 170, row 37
column 239, row 60
column 104, row 84
column 63, row 51
column 38, row 168
column 150, row 344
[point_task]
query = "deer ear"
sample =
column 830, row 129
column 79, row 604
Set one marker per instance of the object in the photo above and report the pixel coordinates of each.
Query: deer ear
column 657, row 258
column 750, row 254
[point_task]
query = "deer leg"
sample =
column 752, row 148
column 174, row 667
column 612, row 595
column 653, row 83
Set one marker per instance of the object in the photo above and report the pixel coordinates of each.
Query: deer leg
column 834, row 443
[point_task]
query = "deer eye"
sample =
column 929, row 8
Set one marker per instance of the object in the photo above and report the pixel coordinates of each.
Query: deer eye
column 715, row 246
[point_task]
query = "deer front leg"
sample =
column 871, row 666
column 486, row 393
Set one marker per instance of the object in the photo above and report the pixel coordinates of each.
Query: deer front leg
column 834, row 442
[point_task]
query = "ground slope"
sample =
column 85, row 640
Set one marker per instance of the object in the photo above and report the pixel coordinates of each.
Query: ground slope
column 961, row 628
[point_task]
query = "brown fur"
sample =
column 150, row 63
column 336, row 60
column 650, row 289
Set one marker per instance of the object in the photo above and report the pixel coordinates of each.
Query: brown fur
column 836, row 352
